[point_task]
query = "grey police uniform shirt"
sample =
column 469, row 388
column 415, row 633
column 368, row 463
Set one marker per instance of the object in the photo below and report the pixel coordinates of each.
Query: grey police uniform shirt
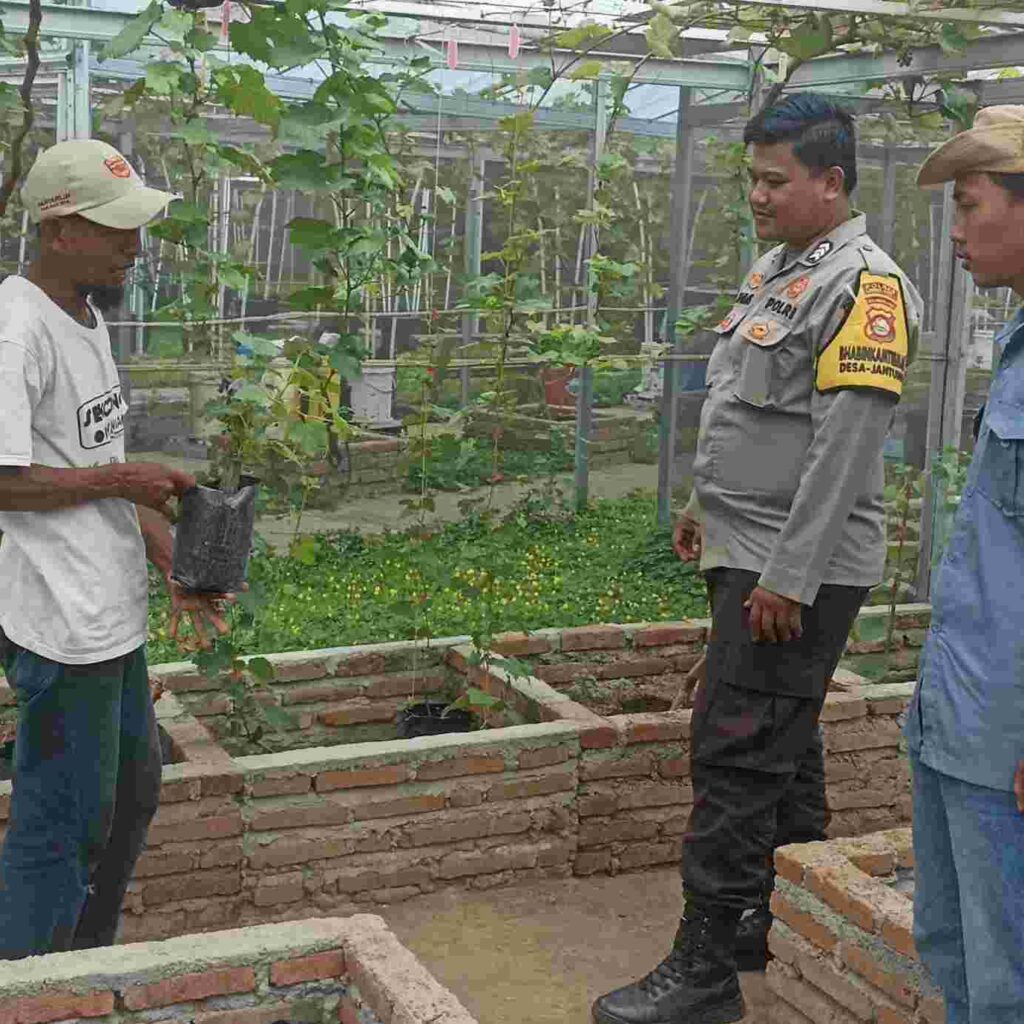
column 789, row 477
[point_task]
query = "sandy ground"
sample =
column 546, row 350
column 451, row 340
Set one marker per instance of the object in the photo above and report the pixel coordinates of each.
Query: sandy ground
column 541, row 953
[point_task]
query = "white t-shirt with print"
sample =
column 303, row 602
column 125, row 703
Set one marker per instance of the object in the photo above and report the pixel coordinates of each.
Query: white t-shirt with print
column 73, row 581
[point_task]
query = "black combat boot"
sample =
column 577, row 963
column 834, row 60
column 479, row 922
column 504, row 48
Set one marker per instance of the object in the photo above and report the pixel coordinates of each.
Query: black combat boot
column 752, row 939
column 695, row 984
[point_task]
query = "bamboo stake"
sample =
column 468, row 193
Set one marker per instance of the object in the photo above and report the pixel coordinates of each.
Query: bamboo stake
column 697, row 675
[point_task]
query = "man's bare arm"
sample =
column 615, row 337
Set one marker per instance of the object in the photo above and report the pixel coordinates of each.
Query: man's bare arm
column 42, row 488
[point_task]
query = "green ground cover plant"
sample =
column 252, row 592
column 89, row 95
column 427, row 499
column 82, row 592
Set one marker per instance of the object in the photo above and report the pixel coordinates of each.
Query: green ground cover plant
column 609, row 563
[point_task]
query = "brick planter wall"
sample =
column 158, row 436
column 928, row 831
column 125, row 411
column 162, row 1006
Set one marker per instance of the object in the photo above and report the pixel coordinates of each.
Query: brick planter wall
column 614, row 439
column 326, row 830
column 341, row 695
column 842, row 939
column 350, row 971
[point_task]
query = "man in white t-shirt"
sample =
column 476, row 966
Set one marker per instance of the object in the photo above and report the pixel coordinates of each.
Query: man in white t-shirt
column 78, row 523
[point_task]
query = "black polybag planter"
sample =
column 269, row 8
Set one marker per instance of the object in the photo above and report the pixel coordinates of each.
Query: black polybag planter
column 425, row 719
column 214, row 537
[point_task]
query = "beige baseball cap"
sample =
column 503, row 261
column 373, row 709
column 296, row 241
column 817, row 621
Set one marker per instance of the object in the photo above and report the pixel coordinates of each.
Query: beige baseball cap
column 92, row 179
column 994, row 143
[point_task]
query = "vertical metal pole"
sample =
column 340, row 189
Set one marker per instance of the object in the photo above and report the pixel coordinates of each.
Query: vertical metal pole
column 888, row 234
column 682, row 185
column 585, row 396
column 474, row 246
column 954, row 292
column 73, row 98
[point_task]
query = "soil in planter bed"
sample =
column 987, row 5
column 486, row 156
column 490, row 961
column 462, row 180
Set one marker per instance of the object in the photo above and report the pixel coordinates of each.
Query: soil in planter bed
column 627, row 696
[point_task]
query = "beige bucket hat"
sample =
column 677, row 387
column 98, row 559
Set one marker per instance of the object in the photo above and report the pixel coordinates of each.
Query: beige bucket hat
column 995, row 143
column 90, row 178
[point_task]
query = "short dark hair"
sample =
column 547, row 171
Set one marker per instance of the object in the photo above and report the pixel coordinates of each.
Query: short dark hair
column 1013, row 183
column 822, row 134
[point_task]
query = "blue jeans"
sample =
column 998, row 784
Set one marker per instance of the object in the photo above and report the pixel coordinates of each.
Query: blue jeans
column 969, row 895
column 86, row 784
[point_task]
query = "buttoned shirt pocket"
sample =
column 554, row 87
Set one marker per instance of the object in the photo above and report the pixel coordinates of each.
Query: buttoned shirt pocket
column 719, row 365
column 759, row 373
column 1001, row 463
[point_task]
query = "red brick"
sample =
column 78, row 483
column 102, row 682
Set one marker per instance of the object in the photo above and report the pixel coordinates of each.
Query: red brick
column 270, row 893
column 329, row 691
column 186, row 681
column 592, row 862
column 356, row 714
column 457, row 659
column 644, row 855
column 893, row 984
column 56, row 1006
column 218, row 855
column 298, row 851
column 222, row 783
column 405, row 684
column 180, row 791
column 201, row 828
column 675, row 633
column 315, row 967
column 833, row 884
column 544, row 757
column 399, row 807
column 358, row 778
column 634, row 668
column 877, row 864
column 198, row 885
column 516, row 645
column 555, row 675
column 188, row 987
column 306, row 816
column 300, row 671
column 803, row 923
column 652, row 728
column 157, row 862
column 593, row 638
column 932, row 1009
column 288, row 785
column 596, row 768
column 674, row 768
column 432, row 770
column 361, row 665
column 898, row 931
column 597, row 805
column 601, row 833
column 520, row 789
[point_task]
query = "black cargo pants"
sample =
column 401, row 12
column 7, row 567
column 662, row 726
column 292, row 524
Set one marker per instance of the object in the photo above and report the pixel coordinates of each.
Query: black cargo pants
column 757, row 759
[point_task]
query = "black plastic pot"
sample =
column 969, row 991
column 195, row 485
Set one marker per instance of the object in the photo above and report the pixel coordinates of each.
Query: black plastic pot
column 214, row 537
column 428, row 719
column 7, row 760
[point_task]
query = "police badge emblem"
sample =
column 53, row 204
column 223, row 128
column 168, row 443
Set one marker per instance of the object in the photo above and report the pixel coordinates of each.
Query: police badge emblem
column 796, row 288
column 819, row 252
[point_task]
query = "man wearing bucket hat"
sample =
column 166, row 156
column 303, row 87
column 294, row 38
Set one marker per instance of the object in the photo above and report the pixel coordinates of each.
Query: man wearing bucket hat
column 78, row 524
column 965, row 724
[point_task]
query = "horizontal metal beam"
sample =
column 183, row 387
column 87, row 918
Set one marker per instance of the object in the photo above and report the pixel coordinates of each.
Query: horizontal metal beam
column 981, row 54
column 891, row 9
column 94, row 25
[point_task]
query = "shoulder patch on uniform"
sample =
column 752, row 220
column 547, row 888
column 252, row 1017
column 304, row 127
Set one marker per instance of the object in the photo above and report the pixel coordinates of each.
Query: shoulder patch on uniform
column 870, row 348
column 796, row 288
column 819, row 252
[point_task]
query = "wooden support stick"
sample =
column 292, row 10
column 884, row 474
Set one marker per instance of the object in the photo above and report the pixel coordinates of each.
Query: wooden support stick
column 696, row 675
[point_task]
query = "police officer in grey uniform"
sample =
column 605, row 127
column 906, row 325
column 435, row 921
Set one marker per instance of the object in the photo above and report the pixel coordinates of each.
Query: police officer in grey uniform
column 787, row 516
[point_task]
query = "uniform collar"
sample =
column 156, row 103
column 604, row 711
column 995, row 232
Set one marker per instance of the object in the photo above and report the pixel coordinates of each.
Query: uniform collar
column 820, row 250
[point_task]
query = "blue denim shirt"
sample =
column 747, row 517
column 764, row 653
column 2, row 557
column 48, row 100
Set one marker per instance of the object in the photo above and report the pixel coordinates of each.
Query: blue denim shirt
column 967, row 715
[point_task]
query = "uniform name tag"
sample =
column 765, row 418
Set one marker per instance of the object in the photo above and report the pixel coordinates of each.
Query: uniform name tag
column 870, row 348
